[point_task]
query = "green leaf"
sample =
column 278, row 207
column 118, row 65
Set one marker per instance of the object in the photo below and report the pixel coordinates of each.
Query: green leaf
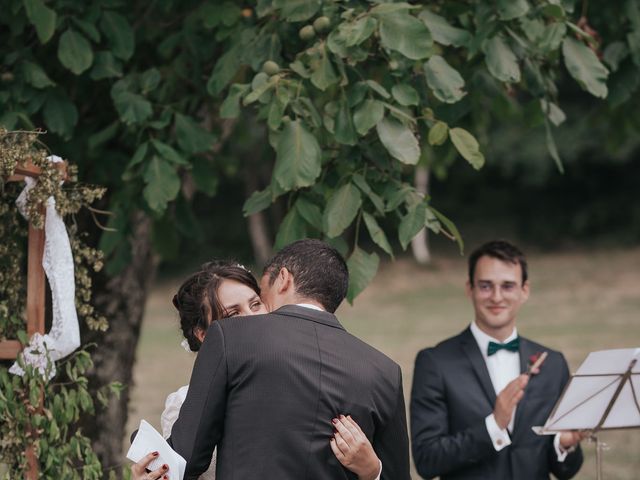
column 106, row 65
column 230, row 108
column 162, row 184
column 510, row 9
column 362, row 269
column 149, row 80
column 555, row 114
column 225, row 69
column 298, row 157
column 132, row 108
column 258, row 201
column 551, row 146
column 297, row 10
column 467, row 146
column 412, row 223
column 74, row 52
column 584, row 67
column 357, row 32
column 405, row 94
column 342, row 208
column 501, row 61
column 345, row 132
column 310, row 212
column 377, row 234
column 205, row 175
column 88, row 28
column 119, row 33
column 379, row 89
column 41, row 17
column 192, row 138
column 453, row 230
column 168, row 153
column 444, row 80
column 35, row 75
column 324, row 75
column 387, row 8
column 292, row 228
column 406, row 34
column 362, row 184
column 139, row 155
column 367, row 115
column 102, row 136
column 399, row 140
column 438, row 133
column 60, row 115
column 442, row 32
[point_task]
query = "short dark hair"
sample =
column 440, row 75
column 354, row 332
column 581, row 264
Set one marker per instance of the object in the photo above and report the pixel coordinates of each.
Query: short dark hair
column 197, row 299
column 319, row 271
column 501, row 250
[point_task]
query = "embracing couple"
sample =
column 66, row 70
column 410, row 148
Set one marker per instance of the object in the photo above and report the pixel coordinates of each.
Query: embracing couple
column 280, row 390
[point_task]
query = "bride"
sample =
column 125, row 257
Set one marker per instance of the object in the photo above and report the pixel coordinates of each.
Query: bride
column 227, row 289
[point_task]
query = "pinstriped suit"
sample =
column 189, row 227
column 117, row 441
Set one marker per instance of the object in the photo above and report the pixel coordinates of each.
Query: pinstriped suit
column 264, row 389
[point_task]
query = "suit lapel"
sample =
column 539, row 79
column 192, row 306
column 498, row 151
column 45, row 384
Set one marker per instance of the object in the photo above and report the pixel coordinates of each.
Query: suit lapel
column 525, row 351
column 472, row 351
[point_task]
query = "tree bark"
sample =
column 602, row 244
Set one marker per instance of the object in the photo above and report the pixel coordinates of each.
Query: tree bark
column 420, row 243
column 122, row 300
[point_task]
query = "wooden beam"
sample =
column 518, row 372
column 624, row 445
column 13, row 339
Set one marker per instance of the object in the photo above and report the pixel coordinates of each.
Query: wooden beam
column 35, row 282
column 9, row 349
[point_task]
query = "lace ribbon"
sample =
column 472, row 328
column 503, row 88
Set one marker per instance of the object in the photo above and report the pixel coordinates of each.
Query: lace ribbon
column 64, row 336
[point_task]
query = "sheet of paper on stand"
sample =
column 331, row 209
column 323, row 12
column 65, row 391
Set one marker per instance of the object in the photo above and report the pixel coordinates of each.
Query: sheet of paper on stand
column 603, row 394
column 149, row 440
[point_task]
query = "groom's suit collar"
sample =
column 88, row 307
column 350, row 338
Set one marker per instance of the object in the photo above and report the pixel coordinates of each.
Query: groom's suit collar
column 318, row 316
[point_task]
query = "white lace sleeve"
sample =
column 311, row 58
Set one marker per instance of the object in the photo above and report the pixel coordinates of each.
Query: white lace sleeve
column 172, row 409
column 172, row 406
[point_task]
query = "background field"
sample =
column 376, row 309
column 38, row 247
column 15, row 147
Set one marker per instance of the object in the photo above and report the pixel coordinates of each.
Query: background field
column 581, row 301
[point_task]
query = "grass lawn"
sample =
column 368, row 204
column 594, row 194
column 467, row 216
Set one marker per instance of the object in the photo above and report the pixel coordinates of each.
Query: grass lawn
column 580, row 302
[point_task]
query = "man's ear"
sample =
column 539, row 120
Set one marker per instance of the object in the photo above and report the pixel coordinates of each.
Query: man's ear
column 526, row 289
column 467, row 288
column 285, row 281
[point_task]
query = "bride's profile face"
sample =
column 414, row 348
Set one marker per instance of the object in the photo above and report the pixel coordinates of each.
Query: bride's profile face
column 238, row 299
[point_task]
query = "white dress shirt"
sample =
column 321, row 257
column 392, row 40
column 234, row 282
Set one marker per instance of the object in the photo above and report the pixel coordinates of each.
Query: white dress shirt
column 504, row 367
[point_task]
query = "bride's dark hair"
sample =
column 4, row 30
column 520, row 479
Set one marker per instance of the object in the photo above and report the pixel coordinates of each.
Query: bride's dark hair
column 197, row 299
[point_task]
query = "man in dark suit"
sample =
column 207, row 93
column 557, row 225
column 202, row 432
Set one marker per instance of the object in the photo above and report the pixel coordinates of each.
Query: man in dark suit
column 472, row 402
column 265, row 388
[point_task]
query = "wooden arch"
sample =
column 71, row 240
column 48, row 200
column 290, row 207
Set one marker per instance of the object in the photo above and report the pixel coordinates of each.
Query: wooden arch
column 36, row 284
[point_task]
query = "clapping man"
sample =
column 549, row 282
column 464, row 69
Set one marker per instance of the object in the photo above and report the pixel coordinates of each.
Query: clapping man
column 473, row 403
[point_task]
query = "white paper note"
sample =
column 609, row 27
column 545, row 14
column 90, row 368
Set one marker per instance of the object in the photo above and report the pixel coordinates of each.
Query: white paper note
column 149, row 440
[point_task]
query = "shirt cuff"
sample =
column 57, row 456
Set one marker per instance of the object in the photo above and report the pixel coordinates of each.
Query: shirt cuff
column 499, row 436
column 380, row 472
column 561, row 452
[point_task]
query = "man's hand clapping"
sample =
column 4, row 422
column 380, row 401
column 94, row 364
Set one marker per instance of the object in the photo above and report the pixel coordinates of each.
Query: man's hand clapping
column 507, row 400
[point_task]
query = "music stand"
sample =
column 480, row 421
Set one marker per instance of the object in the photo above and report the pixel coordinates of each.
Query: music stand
column 602, row 395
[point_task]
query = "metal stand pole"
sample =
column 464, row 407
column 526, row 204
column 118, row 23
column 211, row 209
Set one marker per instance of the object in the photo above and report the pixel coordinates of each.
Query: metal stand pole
column 599, row 448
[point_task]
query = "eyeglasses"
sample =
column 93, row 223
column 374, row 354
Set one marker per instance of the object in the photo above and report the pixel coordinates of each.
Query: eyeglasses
column 486, row 288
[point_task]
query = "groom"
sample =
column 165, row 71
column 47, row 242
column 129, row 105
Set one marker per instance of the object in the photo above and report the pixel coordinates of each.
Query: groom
column 265, row 388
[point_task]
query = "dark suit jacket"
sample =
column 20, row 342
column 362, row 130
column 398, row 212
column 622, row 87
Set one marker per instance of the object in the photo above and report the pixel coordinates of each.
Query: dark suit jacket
column 264, row 389
column 451, row 396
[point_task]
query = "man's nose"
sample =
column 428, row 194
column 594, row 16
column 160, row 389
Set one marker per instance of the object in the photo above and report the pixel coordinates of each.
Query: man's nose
column 496, row 293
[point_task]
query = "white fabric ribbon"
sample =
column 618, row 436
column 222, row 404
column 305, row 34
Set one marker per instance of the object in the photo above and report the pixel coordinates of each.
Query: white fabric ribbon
column 57, row 261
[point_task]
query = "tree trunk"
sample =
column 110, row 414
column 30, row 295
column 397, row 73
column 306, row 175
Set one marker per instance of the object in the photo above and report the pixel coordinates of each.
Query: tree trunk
column 420, row 243
column 122, row 300
column 257, row 223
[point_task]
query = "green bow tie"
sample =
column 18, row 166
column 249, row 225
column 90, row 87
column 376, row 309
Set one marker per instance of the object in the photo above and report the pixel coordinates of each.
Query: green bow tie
column 512, row 346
